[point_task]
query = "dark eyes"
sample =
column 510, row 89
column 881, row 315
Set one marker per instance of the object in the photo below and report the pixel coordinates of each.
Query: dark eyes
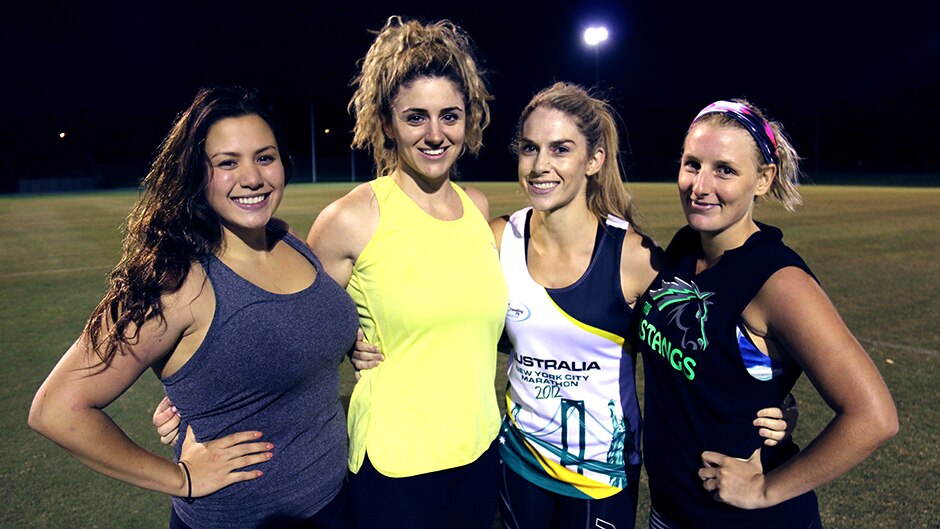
column 691, row 165
column 558, row 150
column 724, row 170
column 231, row 163
column 418, row 119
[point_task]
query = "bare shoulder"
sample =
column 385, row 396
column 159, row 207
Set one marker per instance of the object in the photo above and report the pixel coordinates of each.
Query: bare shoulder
column 640, row 261
column 349, row 217
column 192, row 304
column 790, row 293
column 498, row 225
column 342, row 230
column 479, row 199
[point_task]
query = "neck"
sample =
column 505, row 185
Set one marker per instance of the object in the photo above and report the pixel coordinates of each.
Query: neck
column 568, row 227
column 240, row 244
column 415, row 185
column 714, row 245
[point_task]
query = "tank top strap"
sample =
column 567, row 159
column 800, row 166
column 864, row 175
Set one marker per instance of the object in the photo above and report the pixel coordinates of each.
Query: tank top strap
column 228, row 286
column 396, row 207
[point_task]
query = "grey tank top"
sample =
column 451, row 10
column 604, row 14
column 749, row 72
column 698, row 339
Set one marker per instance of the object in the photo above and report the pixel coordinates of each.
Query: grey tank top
column 270, row 362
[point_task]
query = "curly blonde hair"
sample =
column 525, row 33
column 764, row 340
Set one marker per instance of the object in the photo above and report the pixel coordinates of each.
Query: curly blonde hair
column 401, row 53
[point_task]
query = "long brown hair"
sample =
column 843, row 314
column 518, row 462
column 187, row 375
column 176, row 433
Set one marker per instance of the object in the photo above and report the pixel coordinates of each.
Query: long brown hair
column 172, row 223
column 596, row 120
column 401, row 53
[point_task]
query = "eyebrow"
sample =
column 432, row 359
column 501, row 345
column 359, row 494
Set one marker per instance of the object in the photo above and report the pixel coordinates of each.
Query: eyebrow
column 232, row 153
column 555, row 143
column 425, row 111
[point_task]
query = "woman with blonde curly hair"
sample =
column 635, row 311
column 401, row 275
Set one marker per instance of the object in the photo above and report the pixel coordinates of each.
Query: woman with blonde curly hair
column 414, row 251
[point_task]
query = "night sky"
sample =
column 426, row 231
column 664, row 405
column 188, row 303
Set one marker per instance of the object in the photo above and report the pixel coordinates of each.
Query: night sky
column 858, row 86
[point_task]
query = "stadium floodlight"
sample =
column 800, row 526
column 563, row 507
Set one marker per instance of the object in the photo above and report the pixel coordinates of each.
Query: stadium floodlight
column 593, row 37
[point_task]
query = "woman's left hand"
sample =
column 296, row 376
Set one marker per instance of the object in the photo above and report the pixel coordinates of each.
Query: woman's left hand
column 365, row 355
column 735, row 482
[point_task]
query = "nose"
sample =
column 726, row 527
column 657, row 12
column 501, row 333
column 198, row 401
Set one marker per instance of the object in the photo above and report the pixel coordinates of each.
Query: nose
column 435, row 133
column 542, row 162
column 250, row 177
column 701, row 184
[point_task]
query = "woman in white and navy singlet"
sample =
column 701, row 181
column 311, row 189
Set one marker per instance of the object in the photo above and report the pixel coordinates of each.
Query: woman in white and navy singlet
column 575, row 265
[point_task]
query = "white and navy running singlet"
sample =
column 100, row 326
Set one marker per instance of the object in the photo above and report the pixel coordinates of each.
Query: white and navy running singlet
column 565, row 428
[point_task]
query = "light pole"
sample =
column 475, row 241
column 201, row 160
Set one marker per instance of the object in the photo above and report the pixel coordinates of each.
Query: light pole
column 593, row 36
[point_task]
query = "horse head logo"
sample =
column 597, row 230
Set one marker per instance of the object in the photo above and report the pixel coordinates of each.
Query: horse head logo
column 681, row 297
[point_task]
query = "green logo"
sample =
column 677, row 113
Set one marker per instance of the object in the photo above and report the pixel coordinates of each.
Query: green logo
column 680, row 298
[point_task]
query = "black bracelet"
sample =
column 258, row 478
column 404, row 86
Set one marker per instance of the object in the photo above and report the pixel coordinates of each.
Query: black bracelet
column 189, row 483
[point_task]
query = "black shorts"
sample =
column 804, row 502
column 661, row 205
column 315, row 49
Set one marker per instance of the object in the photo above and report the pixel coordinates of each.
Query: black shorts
column 458, row 498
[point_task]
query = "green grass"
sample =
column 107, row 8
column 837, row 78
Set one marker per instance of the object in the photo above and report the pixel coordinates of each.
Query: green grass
column 876, row 251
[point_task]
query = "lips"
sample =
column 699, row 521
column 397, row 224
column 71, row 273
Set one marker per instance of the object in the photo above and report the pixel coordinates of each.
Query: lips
column 433, row 153
column 251, row 202
column 697, row 205
column 540, row 188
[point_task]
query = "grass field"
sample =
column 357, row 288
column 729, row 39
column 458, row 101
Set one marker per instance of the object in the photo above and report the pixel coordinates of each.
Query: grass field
column 876, row 251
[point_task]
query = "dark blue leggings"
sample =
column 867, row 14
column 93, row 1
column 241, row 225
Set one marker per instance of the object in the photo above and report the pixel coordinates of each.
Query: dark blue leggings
column 457, row 498
column 523, row 505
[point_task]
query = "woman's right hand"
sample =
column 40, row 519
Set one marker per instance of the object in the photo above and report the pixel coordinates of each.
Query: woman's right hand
column 167, row 421
column 215, row 464
column 365, row 355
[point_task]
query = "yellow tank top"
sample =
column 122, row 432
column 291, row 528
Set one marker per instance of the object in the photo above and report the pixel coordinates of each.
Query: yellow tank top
column 431, row 294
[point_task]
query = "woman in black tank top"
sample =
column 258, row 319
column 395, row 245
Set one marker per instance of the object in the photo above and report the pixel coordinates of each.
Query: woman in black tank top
column 726, row 275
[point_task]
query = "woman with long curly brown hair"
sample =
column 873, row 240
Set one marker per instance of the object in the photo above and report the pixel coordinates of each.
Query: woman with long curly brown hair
column 233, row 313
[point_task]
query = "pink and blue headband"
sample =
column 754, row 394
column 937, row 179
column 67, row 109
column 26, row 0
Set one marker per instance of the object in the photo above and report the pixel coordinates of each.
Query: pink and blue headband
column 758, row 127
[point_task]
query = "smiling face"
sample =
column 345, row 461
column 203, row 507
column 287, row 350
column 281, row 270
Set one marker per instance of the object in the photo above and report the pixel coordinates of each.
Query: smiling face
column 428, row 125
column 718, row 181
column 553, row 160
column 246, row 176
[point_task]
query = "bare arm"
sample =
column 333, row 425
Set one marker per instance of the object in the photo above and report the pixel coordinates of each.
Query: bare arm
column 639, row 263
column 342, row 230
column 68, row 410
column 799, row 316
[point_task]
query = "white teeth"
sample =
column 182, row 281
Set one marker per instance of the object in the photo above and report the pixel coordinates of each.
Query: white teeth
column 543, row 185
column 433, row 152
column 250, row 200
